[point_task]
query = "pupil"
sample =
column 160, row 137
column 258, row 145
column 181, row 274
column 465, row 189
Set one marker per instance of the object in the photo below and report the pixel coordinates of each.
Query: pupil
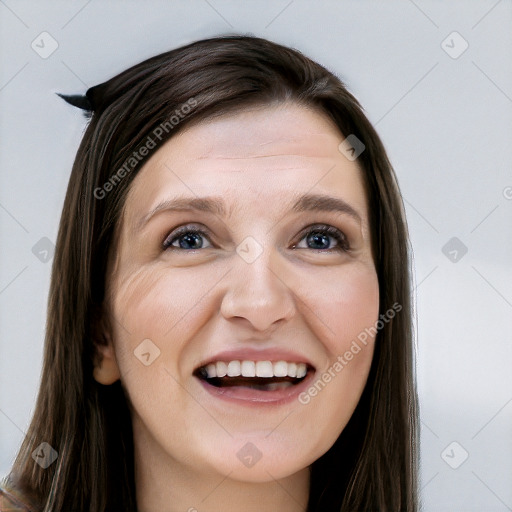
column 317, row 237
column 193, row 239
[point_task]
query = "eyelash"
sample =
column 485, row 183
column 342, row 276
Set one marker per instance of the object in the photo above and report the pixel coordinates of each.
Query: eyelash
column 342, row 246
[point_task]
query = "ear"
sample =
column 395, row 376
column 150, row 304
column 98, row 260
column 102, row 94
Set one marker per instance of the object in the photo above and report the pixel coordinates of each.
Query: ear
column 106, row 371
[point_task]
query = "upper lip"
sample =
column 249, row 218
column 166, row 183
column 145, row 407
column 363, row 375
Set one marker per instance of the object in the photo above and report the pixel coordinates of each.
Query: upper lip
column 247, row 354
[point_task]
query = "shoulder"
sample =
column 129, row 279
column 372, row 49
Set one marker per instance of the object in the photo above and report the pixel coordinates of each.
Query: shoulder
column 12, row 499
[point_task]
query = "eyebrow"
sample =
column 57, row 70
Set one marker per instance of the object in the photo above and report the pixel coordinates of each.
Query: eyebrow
column 215, row 205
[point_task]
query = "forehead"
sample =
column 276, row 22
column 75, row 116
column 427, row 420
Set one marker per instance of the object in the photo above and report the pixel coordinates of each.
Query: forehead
column 253, row 157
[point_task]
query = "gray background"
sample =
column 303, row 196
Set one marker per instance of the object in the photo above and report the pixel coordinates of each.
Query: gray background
column 444, row 116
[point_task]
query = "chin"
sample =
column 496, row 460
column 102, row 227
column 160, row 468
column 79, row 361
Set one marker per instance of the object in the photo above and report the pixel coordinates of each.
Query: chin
column 257, row 460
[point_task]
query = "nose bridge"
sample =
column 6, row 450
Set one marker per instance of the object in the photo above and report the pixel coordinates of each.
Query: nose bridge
column 257, row 291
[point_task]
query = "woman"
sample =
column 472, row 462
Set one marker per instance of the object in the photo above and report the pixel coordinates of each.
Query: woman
column 229, row 323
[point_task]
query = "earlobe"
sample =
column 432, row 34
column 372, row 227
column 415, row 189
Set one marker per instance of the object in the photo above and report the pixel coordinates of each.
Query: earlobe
column 106, row 370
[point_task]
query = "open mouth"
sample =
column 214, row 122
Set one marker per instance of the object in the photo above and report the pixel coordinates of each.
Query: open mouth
column 257, row 375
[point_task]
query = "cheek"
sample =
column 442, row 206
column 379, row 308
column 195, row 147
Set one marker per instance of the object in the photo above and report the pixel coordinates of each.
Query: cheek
column 344, row 305
column 160, row 313
column 157, row 312
column 346, row 309
column 155, row 298
column 155, row 304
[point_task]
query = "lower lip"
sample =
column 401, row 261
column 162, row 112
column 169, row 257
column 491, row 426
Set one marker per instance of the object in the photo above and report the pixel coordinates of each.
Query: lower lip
column 253, row 397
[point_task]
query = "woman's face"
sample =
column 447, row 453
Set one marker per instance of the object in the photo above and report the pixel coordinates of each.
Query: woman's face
column 249, row 274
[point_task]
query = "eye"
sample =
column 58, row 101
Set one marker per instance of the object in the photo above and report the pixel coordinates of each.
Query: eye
column 319, row 235
column 188, row 237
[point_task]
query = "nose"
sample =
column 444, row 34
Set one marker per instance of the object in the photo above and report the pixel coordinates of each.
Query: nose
column 259, row 294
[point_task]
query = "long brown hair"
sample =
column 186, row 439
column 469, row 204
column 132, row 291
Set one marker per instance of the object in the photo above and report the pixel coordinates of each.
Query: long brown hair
column 373, row 464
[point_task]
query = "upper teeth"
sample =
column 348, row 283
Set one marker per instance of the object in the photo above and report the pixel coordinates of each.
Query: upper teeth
column 256, row 369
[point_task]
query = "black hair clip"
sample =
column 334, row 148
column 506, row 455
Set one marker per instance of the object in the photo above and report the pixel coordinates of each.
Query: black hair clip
column 77, row 100
column 81, row 101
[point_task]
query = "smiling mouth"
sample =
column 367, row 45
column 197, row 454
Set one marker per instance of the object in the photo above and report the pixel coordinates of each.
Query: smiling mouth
column 257, row 375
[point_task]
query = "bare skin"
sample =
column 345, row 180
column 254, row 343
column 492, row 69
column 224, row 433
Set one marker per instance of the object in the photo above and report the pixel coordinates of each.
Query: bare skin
column 193, row 303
